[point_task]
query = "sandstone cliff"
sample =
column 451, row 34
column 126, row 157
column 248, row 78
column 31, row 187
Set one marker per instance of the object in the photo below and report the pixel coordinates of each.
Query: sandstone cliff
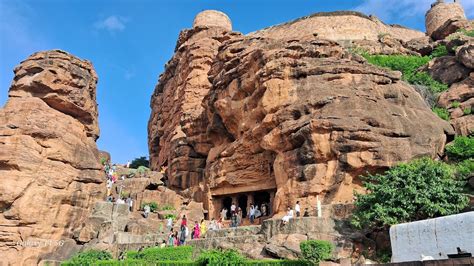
column 295, row 118
column 49, row 168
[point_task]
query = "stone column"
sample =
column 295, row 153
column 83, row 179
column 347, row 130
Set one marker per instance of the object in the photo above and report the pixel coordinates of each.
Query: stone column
column 270, row 204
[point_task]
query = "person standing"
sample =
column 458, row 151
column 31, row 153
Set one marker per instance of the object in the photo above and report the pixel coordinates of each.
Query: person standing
column 184, row 222
column 264, row 210
column 297, row 209
column 223, row 214
column 169, row 223
column 239, row 216
column 288, row 216
column 146, row 211
column 130, row 203
column 233, row 220
column 232, row 208
column 252, row 214
column 203, row 227
column 197, row 230
column 171, row 238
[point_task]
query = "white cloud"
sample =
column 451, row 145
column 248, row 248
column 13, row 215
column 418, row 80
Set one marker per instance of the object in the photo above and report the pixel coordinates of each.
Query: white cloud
column 390, row 10
column 111, row 23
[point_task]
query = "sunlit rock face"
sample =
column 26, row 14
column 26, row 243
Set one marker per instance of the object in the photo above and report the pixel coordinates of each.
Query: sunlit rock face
column 49, row 168
column 235, row 117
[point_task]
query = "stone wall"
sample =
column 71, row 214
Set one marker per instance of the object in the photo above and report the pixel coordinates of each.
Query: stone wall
column 433, row 237
column 337, row 26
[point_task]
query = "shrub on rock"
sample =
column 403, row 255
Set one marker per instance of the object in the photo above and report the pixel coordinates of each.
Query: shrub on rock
column 417, row 190
column 216, row 257
column 316, row 250
column 88, row 257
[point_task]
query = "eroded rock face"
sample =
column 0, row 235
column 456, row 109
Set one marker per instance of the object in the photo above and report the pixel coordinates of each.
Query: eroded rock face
column 236, row 114
column 49, row 163
column 307, row 118
column 177, row 125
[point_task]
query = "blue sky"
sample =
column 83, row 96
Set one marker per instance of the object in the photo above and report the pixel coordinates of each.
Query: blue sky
column 129, row 42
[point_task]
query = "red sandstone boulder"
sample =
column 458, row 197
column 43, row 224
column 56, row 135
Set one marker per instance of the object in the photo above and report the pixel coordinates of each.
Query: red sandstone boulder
column 49, row 163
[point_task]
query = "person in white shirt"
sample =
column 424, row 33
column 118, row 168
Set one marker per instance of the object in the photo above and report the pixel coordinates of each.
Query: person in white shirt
column 297, row 209
column 120, row 201
column 288, row 216
column 223, row 214
column 252, row 214
column 169, row 224
column 146, row 211
column 232, row 208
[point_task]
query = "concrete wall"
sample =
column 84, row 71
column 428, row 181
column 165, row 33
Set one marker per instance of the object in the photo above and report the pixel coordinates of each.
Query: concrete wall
column 433, row 237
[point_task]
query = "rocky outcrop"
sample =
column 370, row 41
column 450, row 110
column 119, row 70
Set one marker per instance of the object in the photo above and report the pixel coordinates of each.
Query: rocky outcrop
column 177, row 125
column 49, row 163
column 235, row 114
column 337, row 26
column 439, row 18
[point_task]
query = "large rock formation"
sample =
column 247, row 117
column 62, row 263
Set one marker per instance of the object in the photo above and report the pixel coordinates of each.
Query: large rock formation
column 177, row 126
column 49, row 168
column 237, row 117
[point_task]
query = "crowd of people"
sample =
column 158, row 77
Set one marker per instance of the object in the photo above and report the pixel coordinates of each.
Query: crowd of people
column 178, row 238
column 112, row 177
column 236, row 214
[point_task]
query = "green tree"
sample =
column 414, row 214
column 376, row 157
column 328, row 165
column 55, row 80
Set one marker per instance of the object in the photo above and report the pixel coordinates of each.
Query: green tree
column 140, row 161
column 412, row 191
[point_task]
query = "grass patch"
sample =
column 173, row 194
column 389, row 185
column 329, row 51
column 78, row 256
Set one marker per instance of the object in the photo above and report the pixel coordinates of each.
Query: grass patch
column 409, row 66
column 439, row 51
column 441, row 113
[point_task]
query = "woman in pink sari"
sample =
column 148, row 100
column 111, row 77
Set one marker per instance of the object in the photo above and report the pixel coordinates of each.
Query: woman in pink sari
column 197, row 230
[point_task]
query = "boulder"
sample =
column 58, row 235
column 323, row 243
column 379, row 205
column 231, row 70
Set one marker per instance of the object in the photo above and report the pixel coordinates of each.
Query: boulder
column 422, row 46
column 465, row 55
column 451, row 26
column 447, row 69
column 283, row 246
column 49, row 161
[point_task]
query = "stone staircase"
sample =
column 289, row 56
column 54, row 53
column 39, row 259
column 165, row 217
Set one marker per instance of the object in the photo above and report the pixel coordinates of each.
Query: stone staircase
column 274, row 239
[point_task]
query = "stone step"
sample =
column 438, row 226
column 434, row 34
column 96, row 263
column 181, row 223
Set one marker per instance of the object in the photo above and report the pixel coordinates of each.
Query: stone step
column 129, row 238
column 237, row 231
column 219, row 242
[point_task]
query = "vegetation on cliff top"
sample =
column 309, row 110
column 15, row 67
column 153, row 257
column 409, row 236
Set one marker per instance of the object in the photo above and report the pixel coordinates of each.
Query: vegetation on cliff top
column 409, row 65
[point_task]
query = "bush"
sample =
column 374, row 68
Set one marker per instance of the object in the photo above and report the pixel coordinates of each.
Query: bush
column 133, row 262
column 316, row 250
column 441, row 113
column 221, row 257
column 181, row 253
column 277, row 262
column 439, row 51
column 469, row 33
column 166, row 208
column 455, row 104
column 88, row 257
column 409, row 66
column 461, row 149
column 172, row 216
column 464, row 169
column 467, row 111
column 412, row 191
column 153, row 206
column 140, row 161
